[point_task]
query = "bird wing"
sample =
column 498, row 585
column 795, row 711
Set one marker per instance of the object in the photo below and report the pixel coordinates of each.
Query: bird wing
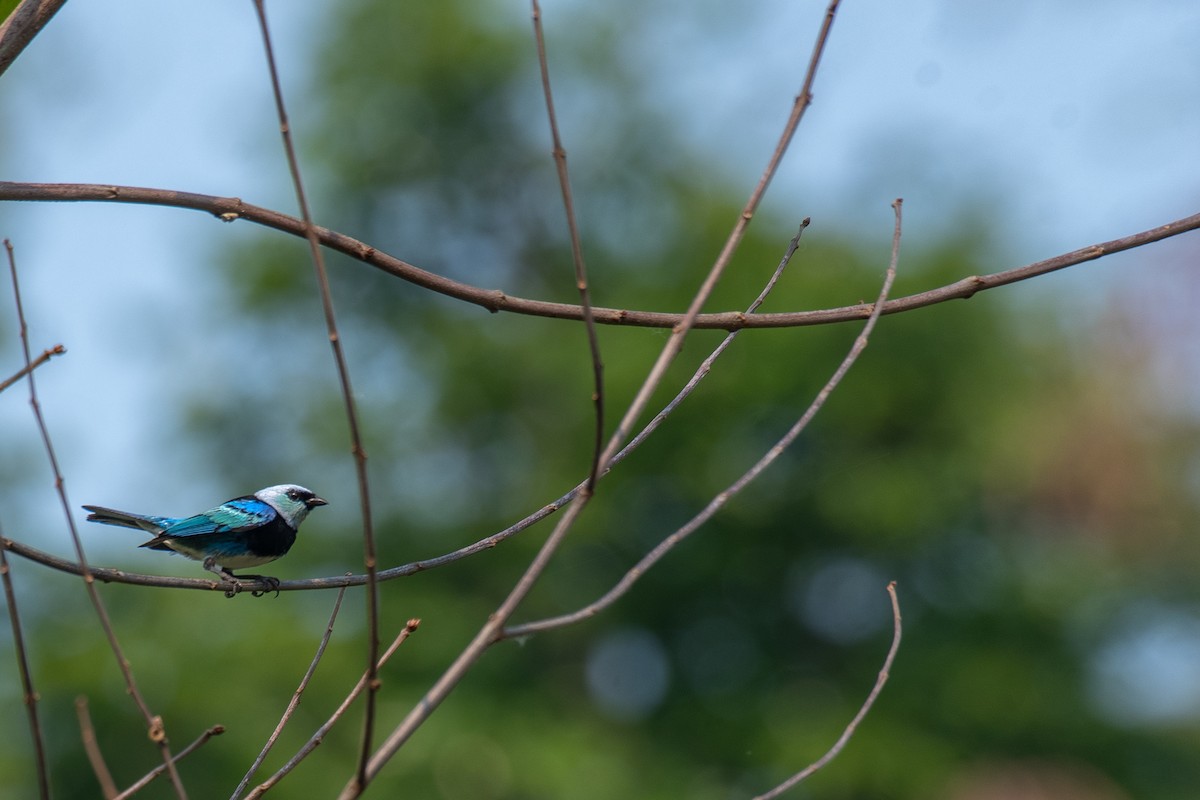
column 241, row 514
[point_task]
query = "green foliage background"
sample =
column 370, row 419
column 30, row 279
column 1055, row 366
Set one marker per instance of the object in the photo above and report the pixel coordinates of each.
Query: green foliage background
column 978, row 455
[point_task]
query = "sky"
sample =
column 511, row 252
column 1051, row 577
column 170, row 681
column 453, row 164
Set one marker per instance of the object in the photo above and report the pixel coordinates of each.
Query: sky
column 1077, row 121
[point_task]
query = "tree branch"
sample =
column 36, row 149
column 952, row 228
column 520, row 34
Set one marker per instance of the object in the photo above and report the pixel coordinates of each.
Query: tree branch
column 31, row 695
column 87, row 733
column 495, row 300
column 46, row 355
column 323, row 731
column 24, row 23
column 295, row 701
column 145, row 780
column 343, row 371
column 581, row 276
column 840, row 744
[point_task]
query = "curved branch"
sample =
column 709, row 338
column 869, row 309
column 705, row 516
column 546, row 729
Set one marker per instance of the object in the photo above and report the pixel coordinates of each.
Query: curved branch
column 494, row 300
column 559, row 154
column 880, row 680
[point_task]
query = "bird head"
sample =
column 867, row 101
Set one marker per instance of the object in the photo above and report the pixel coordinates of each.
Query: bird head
column 291, row 501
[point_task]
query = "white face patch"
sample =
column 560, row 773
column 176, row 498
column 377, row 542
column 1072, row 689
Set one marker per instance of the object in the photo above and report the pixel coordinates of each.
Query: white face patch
column 278, row 497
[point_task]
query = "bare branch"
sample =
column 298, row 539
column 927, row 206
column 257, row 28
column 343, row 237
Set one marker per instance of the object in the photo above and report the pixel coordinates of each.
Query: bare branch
column 680, row 331
column 319, row 736
column 343, row 370
column 840, row 744
column 144, row 781
column 24, row 23
column 31, row 695
column 495, row 300
column 295, row 701
column 154, row 724
column 666, row 545
column 581, row 278
column 91, row 746
column 46, row 355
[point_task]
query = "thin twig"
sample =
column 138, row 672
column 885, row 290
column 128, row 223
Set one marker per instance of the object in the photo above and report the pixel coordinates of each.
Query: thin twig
column 295, row 701
column 322, row 731
column 670, row 542
column 23, row 23
column 145, row 780
column 495, row 300
column 91, row 746
column 46, row 355
column 154, row 724
column 30, row 693
column 581, row 275
column 840, row 744
column 343, row 370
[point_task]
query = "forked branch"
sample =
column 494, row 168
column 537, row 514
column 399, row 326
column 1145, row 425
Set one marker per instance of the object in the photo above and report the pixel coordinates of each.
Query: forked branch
column 669, row 543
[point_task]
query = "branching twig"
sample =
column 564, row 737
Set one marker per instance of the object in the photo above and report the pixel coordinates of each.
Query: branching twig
column 581, row 276
column 322, row 731
column 231, row 208
column 491, row 631
column 31, row 695
column 295, row 701
column 840, row 744
column 666, row 545
column 57, row 350
column 680, row 331
column 356, row 445
column 144, row 781
column 87, row 732
column 154, row 724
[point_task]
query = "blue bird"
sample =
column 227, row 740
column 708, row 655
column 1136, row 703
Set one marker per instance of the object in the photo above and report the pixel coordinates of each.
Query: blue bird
column 243, row 532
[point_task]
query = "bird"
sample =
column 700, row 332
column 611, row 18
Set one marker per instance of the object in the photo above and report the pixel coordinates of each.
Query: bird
column 243, row 532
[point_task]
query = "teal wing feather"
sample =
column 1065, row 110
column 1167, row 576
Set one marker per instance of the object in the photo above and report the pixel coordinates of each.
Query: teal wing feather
column 237, row 515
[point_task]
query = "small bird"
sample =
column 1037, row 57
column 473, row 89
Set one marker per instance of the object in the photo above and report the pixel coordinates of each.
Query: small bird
column 243, row 532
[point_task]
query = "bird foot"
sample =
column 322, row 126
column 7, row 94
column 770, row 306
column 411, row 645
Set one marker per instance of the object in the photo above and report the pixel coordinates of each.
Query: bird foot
column 271, row 583
column 236, row 582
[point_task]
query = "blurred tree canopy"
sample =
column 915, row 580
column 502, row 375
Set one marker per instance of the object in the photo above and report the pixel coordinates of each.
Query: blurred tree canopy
column 1025, row 499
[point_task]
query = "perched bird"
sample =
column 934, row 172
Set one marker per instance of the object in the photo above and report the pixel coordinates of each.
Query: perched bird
column 243, row 532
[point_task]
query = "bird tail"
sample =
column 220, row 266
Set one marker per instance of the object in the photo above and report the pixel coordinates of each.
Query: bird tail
column 110, row 516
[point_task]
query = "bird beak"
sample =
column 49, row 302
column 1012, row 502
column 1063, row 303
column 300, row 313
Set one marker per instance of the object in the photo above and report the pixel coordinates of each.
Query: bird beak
column 315, row 501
